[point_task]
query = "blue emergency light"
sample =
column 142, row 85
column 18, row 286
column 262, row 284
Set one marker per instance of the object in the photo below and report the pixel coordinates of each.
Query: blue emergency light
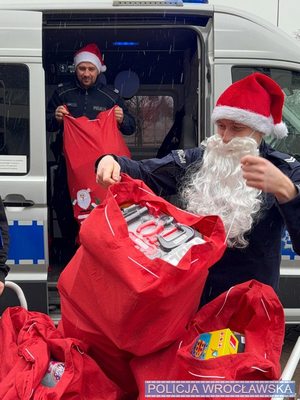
column 196, row 1
column 125, row 43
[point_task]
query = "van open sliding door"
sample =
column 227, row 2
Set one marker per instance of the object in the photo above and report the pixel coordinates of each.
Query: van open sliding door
column 23, row 154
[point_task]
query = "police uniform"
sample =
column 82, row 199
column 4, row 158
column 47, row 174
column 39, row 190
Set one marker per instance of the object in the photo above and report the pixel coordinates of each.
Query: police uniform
column 80, row 102
column 260, row 260
column 87, row 102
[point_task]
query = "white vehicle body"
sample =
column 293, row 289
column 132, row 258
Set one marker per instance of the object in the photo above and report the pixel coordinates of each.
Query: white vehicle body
column 187, row 52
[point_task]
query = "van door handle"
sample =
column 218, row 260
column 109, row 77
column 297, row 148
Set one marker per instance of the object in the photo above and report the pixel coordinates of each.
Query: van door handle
column 17, row 200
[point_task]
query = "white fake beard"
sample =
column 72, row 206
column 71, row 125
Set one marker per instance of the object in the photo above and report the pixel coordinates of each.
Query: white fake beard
column 215, row 186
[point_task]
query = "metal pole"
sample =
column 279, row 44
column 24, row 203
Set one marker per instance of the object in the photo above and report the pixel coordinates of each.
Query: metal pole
column 291, row 365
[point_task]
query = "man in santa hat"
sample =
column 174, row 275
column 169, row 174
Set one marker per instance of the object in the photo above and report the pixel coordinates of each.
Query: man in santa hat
column 86, row 96
column 236, row 175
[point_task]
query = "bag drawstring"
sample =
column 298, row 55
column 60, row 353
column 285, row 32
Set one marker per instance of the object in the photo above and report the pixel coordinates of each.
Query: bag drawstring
column 223, row 305
column 206, row 376
column 265, row 308
column 108, row 221
column 140, row 265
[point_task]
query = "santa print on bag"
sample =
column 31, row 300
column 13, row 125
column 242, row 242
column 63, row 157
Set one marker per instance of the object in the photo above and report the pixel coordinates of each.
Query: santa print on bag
column 84, row 141
column 83, row 204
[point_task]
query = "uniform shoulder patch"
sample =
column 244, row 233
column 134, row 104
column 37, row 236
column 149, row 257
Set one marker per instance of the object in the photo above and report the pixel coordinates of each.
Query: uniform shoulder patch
column 181, row 156
column 286, row 158
column 290, row 159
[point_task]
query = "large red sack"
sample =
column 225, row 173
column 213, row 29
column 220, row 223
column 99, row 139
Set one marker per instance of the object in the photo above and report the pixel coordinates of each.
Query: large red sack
column 113, row 361
column 122, row 301
column 251, row 308
column 28, row 341
column 135, row 297
column 84, row 140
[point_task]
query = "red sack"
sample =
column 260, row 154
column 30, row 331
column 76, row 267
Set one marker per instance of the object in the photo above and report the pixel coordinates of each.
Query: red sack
column 113, row 361
column 28, row 341
column 122, row 300
column 250, row 308
column 84, row 141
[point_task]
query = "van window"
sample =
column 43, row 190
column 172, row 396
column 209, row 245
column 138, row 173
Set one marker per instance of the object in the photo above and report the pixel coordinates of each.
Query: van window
column 289, row 81
column 14, row 119
column 154, row 119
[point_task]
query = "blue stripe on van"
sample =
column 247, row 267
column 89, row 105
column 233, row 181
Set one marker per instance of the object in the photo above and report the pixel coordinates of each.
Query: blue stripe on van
column 26, row 242
column 286, row 247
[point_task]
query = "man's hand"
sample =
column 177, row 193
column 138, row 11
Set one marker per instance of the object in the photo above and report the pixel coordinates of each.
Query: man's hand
column 2, row 286
column 60, row 112
column 119, row 114
column 108, row 171
column 263, row 175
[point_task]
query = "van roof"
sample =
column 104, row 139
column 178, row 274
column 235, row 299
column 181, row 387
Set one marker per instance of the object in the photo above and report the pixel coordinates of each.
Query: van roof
column 227, row 21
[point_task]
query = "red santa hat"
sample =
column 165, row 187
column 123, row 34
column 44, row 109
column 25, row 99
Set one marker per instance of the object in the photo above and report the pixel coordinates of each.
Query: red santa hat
column 255, row 101
column 90, row 53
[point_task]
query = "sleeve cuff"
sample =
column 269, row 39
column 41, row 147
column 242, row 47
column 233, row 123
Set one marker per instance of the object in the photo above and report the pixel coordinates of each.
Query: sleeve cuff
column 2, row 276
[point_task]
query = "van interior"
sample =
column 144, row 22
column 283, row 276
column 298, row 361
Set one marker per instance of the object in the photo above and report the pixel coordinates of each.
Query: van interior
column 153, row 66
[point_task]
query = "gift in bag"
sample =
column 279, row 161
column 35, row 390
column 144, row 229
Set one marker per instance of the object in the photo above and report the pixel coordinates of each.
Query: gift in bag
column 84, row 140
column 135, row 303
column 29, row 343
column 252, row 309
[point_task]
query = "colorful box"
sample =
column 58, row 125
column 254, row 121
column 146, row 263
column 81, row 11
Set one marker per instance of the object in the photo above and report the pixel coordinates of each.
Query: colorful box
column 215, row 344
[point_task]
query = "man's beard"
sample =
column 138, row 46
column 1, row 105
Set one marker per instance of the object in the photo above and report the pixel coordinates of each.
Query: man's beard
column 215, row 186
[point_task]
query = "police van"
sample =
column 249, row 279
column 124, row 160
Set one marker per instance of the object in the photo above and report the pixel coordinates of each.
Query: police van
column 169, row 59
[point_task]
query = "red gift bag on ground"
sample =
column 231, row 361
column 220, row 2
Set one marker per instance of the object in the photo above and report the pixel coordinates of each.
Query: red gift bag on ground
column 123, row 301
column 84, row 141
column 250, row 308
column 28, row 341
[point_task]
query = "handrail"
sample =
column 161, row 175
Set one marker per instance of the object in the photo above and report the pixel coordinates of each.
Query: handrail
column 19, row 292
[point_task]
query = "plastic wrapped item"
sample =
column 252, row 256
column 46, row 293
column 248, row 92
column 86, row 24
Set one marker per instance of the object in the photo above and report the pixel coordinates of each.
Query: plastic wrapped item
column 53, row 374
column 158, row 235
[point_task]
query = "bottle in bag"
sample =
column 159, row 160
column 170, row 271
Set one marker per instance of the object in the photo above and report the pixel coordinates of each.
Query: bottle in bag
column 53, row 374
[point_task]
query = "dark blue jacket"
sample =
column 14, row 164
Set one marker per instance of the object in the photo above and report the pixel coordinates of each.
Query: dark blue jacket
column 87, row 102
column 261, row 259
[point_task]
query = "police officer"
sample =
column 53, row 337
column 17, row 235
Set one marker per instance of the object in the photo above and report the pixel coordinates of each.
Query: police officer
column 84, row 96
column 237, row 175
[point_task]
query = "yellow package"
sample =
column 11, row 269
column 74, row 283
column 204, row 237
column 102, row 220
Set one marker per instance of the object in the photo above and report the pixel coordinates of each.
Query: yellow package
column 215, row 344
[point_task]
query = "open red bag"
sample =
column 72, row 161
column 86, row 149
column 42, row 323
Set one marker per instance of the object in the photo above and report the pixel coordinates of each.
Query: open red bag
column 251, row 308
column 84, row 141
column 140, row 304
column 28, row 341
column 123, row 303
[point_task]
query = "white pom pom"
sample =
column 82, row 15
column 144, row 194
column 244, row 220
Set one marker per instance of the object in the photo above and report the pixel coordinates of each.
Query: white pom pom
column 280, row 130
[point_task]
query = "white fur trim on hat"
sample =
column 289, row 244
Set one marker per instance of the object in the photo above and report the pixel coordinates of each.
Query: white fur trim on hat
column 86, row 56
column 255, row 121
column 280, row 130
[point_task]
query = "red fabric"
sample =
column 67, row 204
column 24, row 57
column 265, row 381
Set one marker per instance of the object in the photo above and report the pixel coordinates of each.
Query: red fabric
column 28, row 341
column 251, row 308
column 84, row 141
column 122, row 301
